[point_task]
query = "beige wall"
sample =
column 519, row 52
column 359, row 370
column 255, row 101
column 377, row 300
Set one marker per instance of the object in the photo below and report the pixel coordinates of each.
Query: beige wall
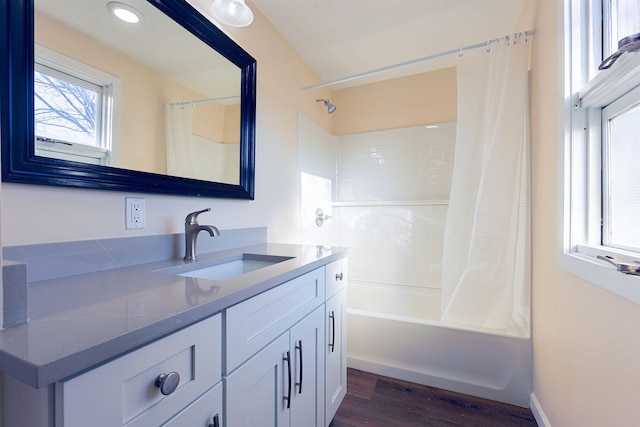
column 396, row 103
column 231, row 133
column 586, row 340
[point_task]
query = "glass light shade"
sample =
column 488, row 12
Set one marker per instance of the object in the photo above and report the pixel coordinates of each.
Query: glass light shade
column 232, row 12
column 125, row 12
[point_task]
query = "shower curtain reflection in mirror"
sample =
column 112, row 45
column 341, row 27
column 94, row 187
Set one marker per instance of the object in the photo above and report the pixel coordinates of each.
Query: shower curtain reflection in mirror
column 178, row 126
column 486, row 277
column 212, row 156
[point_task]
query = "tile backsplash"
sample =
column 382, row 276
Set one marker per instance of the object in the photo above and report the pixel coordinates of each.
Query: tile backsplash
column 56, row 260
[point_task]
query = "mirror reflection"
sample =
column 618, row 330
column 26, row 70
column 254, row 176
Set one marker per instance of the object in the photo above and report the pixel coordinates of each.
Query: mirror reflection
column 146, row 96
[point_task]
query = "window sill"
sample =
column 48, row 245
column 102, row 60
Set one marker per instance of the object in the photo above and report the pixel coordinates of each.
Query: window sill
column 601, row 274
column 611, row 84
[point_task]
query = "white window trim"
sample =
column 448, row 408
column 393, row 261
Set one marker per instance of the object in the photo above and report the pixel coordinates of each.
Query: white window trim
column 70, row 66
column 72, row 151
column 579, row 259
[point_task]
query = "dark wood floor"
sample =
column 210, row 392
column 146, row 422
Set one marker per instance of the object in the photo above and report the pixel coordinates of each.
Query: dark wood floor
column 376, row 401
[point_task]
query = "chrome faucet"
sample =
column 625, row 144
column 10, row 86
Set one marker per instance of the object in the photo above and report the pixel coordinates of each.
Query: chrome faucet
column 191, row 230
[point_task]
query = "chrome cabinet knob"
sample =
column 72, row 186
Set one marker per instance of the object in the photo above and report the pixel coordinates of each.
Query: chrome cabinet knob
column 168, row 383
column 339, row 276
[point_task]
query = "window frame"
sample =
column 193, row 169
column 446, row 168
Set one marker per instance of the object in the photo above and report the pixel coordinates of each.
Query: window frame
column 585, row 93
column 630, row 101
column 109, row 121
column 101, row 91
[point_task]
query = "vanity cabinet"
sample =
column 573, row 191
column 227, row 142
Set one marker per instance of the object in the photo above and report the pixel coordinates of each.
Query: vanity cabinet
column 148, row 386
column 282, row 385
column 275, row 357
column 336, row 337
column 287, row 365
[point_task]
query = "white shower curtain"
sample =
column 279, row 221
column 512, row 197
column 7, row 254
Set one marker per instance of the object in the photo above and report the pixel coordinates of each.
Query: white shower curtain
column 178, row 129
column 485, row 255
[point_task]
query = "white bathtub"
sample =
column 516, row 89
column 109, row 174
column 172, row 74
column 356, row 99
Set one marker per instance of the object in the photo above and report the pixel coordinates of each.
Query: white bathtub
column 416, row 347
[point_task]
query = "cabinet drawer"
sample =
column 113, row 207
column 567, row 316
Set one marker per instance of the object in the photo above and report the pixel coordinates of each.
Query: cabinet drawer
column 254, row 323
column 124, row 391
column 202, row 412
column 337, row 276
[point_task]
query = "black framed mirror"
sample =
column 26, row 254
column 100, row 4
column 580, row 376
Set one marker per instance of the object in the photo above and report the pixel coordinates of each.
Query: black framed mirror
column 23, row 158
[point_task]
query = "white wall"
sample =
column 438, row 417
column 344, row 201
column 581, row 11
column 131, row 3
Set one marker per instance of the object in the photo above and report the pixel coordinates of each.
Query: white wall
column 393, row 191
column 317, row 163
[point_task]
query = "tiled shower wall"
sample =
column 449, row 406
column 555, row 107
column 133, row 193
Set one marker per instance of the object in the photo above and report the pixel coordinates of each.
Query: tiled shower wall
column 391, row 197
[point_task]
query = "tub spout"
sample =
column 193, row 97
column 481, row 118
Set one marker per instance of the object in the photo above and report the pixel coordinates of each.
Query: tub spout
column 191, row 231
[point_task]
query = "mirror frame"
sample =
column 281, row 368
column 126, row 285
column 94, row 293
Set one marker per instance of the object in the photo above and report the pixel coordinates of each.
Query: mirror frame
column 19, row 163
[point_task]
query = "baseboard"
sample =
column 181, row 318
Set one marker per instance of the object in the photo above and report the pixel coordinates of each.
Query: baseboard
column 538, row 413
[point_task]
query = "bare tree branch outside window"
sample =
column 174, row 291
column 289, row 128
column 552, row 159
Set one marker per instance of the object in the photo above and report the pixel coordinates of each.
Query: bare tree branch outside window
column 64, row 110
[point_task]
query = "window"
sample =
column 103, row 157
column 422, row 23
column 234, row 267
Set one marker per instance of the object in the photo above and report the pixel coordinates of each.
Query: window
column 75, row 110
column 601, row 180
column 621, row 18
column 621, row 173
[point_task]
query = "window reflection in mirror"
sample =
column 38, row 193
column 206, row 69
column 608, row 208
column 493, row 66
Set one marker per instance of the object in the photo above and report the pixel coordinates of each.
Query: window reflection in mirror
column 149, row 97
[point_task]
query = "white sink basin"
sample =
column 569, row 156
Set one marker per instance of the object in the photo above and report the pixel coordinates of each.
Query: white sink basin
column 226, row 268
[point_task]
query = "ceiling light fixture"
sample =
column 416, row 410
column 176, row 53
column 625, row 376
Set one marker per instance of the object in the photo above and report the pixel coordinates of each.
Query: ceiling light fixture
column 232, row 12
column 125, row 12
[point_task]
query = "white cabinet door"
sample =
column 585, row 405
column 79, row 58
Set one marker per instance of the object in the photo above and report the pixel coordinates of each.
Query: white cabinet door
column 307, row 347
column 336, row 353
column 257, row 392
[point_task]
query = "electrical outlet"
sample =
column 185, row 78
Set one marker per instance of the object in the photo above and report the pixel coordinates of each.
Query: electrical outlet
column 134, row 213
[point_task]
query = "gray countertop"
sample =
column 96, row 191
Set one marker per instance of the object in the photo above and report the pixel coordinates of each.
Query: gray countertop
column 81, row 321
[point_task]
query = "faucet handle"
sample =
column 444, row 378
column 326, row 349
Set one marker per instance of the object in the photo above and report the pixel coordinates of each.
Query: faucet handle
column 192, row 218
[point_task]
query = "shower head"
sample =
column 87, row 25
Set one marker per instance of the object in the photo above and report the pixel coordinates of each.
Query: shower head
column 330, row 107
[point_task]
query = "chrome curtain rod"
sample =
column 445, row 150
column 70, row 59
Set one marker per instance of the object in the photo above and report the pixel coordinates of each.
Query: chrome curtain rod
column 204, row 101
column 415, row 61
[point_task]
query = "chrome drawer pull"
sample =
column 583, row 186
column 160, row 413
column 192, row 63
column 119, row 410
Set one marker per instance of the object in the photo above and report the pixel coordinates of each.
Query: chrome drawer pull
column 216, row 421
column 287, row 359
column 168, row 383
column 299, row 384
column 332, row 316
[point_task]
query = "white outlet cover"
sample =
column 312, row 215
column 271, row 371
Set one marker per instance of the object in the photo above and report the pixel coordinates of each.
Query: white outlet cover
column 135, row 214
